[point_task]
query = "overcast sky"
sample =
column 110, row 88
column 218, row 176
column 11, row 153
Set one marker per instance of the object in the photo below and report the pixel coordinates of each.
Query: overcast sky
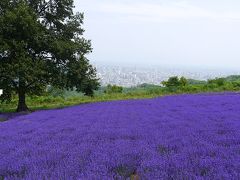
column 200, row 33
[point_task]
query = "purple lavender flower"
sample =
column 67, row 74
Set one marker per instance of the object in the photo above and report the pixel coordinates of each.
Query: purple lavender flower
column 173, row 137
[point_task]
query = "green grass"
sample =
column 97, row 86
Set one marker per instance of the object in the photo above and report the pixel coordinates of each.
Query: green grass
column 49, row 102
column 52, row 102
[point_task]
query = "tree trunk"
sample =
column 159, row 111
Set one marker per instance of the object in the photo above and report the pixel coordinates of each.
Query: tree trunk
column 22, row 107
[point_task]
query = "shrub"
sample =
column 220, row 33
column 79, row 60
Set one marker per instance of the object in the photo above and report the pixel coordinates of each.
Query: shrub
column 236, row 84
column 112, row 89
column 183, row 81
column 52, row 91
column 217, row 81
column 175, row 82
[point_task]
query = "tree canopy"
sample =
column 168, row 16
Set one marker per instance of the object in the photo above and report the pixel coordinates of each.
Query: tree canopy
column 42, row 43
column 175, row 82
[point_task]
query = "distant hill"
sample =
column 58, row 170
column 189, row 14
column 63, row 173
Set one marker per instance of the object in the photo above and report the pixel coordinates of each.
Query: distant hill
column 146, row 85
column 194, row 81
column 232, row 78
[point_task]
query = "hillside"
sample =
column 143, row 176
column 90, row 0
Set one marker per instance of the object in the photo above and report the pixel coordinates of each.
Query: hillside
column 232, row 78
column 172, row 137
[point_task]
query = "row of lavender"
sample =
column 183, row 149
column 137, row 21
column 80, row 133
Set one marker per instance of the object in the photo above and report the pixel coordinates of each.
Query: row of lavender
column 174, row 137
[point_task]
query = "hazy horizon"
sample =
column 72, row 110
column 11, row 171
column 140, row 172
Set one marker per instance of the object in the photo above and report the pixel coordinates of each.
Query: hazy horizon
column 140, row 65
column 176, row 33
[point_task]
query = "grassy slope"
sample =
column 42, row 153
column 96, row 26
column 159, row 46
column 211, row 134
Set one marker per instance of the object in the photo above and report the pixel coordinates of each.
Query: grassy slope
column 50, row 102
column 231, row 83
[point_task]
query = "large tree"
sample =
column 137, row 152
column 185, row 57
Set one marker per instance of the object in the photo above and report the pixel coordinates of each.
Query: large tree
column 41, row 43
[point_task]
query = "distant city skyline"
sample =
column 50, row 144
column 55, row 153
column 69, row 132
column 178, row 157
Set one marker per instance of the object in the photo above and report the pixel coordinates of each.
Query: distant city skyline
column 161, row 32
column 128, row 76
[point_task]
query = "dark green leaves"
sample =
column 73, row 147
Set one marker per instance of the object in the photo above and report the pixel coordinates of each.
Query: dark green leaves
column 41, row 44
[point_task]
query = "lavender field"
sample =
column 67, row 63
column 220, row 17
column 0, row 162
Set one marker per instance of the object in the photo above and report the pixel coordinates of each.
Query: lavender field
column 173, row 137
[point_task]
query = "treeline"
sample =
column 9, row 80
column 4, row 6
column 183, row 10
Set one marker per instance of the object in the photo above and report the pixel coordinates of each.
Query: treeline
column 174, row 84
column 177, row 84
column 58, row 98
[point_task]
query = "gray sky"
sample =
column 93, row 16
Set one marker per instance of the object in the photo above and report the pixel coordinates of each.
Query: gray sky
column 200, row 33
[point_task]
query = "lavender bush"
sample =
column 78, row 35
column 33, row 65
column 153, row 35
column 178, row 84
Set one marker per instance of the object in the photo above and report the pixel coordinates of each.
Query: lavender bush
column 174, row 137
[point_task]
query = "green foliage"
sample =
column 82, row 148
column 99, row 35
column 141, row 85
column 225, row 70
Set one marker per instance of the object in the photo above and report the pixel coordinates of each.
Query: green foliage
column 175, row 82
column 146, row 85
column 111, row 89
column 172, row 82
column 42, row 43
column 68, row 98
column 236, row 84
column 183, row 81
column 53, row 91
column 217, row 81
column 232, row 78
column 194, row 82
column 154, row 91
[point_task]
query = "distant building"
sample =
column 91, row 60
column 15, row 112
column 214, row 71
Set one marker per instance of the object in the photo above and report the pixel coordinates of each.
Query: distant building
column 133, row 76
